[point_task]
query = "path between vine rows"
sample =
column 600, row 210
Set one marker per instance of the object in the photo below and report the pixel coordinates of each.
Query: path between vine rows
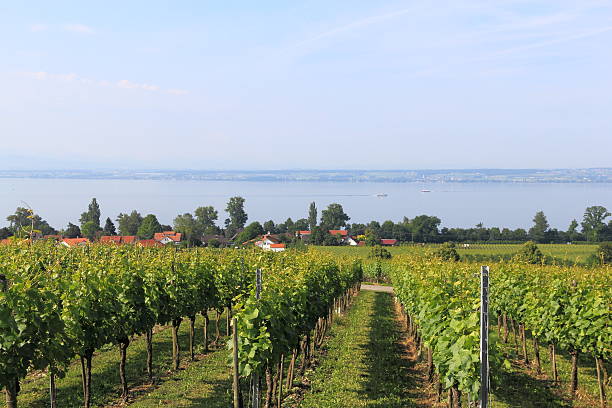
column 368, row 362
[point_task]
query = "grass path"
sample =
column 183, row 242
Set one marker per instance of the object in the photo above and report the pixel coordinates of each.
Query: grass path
column 204, row 384
column 365, row 364
column 106, row 387
column 521, row 386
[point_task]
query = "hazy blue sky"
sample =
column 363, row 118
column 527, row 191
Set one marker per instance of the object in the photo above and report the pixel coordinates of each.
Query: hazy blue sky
column 320, row 84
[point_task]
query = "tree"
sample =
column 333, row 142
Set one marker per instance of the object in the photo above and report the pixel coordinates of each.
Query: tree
column 186, row 225
column 129, row 224
column 237, row 215
column 287, row 226
column 5, row 233
column 371, row 237
column 269, row 227
column 572, row 231
column 252, row 230
column 24, row 220
column 72, row 231
column 317, row 236
column 312, row 215
column 333, row 217
column 357, row 229
column 424, row 228
column 538, row 231
column 109, row 227
column 593, row 222
column 386, row 229
column 301, row 225
column 331, row 239
column 530, row 253
column 149, row 226
column 520, row 234
column 89, row 230
column 206, row 218
column 92, row 214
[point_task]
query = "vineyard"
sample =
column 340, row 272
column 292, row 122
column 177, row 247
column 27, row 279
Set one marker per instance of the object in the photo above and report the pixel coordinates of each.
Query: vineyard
column 65, row 309
column 560, row 308
column 58, row 304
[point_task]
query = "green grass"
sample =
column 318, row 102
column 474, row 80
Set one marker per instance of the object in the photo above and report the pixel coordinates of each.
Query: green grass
column 106, row 388
column 522, row 383
column 576, row 253
column 205, row 383
column 363, row 366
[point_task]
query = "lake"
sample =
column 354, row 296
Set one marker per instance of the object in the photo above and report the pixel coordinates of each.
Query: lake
column 458, row 204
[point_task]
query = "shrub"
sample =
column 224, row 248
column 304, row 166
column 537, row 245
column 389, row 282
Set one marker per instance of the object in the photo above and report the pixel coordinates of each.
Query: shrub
column 379, row 252
column 448, row 252
column 530, row 253
column 604, row 253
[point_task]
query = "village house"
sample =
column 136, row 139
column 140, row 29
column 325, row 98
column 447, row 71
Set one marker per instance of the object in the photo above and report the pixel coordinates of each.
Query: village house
column 388, row 242
column 348, row 240
column 73, row 242
column 215, row 239
column 149, row 243
column 303, row 234
column 168, row 237
column 270, row 242
column 118, row 239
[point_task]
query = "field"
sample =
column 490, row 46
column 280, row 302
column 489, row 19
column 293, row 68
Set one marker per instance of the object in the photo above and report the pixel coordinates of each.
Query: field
column 576, row 253
column 310, row 336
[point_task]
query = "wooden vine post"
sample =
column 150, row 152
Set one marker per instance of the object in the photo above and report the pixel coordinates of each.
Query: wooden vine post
column 12, row 386
column 256, row 389
column 484, row 337
column 236, row 384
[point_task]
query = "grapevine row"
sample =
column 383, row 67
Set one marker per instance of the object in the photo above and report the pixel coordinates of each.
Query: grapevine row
column 566, row 308
column 58, row 303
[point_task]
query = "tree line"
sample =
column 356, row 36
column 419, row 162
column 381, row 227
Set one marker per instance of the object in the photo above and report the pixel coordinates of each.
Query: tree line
column 201, row 227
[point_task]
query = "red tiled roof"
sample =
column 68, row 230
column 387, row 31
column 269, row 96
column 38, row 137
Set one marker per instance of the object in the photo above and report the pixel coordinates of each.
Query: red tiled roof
column 338, row 232
column 361, row 243
column 149, row 243
column 388, row 241
column 272, row 238
column 118, row 239
column 75, row 241
column 175, row 236
column 305, row 232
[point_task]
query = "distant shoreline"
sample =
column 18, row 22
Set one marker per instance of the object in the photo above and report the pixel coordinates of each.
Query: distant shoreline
column 514, row 176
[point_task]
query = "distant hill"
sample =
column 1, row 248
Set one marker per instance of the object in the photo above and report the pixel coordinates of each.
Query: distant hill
column 594, row 175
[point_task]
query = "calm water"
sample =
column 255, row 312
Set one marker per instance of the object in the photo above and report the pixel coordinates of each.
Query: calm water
column 463, row 205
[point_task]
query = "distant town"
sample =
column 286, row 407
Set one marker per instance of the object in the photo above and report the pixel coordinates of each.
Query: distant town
column 591, row 175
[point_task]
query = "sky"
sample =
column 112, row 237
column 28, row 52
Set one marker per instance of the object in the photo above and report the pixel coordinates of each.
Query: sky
column 312, row 84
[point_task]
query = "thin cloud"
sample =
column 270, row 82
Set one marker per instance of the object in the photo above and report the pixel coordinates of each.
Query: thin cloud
column 177, row 92
column 587, row 34
column 515, row 50
column 121, row 84
column 125, row 84
column 78, row 28
column 35, row 28
column 352, row 26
